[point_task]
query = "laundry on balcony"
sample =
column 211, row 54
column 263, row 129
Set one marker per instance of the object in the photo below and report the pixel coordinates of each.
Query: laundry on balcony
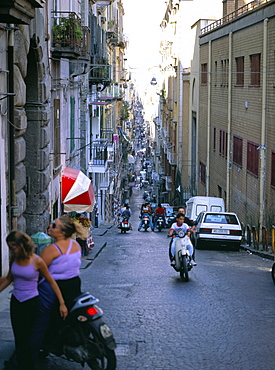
column 77, row 191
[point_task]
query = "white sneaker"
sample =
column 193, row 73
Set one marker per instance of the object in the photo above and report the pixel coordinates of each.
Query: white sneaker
column 173, row 263
column 193, row 263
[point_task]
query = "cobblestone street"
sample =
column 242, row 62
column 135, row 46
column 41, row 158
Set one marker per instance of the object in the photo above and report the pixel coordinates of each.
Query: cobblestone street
column 223, row 318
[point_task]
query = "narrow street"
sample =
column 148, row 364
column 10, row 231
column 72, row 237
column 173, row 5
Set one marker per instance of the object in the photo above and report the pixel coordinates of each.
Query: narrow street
column 223, row 318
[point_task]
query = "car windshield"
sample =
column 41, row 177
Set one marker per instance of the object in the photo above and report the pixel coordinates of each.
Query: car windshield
column 220, row 219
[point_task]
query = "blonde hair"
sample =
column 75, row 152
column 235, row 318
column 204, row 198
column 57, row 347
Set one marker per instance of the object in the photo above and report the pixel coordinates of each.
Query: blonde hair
column 70, row 227
column 21, row 239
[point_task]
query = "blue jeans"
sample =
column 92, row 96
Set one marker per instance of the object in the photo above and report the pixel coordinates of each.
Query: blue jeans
column 150, row 223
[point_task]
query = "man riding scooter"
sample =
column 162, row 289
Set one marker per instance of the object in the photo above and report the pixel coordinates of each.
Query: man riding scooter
column 146, row 210
column 159, row 213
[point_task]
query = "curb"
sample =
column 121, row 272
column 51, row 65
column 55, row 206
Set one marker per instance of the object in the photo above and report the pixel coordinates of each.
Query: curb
column 89, row 260
column 259, row 253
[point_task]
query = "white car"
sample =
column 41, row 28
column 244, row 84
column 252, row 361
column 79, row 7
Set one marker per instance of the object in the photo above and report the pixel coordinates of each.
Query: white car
column 218, row 229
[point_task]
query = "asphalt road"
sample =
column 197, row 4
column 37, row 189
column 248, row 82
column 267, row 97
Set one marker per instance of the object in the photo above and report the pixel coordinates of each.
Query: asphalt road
column 223, row 318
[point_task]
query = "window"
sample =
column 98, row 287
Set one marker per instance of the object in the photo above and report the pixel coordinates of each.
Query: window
column 56, row 138
column 215, row 77
column 237, row 150
column 202, row 173
column 240, row 71
column 273, row 169
column 224, row 64
column 223, row 143
column 214, row 139
column 252, row 164
column 204, row 74
column 255, row 67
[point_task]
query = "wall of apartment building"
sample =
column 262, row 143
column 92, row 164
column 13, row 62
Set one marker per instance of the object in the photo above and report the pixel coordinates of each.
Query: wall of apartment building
column 246, row 110
column 202, row 121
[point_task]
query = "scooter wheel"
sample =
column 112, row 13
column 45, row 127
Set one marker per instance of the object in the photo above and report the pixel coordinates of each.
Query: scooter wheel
column 107, row 362
column 184, row 269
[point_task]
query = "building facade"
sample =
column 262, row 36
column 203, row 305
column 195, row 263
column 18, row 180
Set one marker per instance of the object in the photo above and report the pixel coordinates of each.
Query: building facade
column 57, row 58
column 236, row 111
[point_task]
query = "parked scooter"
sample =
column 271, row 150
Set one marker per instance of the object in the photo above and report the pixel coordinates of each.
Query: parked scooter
column 124, row 225
column 273, row 273
column 159, row 223
column 182, row 257
column 86, row 338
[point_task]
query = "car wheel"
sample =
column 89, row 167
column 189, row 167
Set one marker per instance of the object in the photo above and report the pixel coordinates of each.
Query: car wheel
column 199, row 244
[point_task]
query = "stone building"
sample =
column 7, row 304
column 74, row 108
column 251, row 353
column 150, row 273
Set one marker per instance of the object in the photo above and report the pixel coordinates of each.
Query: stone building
column 46, row 64
column 236, row 110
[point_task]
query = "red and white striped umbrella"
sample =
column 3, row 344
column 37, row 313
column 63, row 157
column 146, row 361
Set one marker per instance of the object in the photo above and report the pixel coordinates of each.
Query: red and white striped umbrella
column 77, row 191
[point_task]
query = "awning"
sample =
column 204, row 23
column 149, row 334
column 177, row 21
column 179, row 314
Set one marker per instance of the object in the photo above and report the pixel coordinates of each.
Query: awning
column 77, row 191
column 99, row 103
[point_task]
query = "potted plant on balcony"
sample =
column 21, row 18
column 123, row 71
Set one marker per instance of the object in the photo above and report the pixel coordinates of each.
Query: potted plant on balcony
column 66, row 31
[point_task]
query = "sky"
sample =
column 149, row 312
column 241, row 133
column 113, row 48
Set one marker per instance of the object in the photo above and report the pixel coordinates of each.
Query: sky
column 142, row 27
column 142, row 21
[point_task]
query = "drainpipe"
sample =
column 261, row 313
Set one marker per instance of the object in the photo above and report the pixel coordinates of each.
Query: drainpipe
column 12, row 193
column 263, row 132
column 208, row 122
column 229, row 123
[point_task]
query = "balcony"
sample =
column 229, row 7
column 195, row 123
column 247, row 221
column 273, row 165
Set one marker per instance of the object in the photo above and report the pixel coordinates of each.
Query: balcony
column 19, row 11
column 171, row 156
column 99, row 160
column 113, row 92
column 100, row 74
column 69, row 38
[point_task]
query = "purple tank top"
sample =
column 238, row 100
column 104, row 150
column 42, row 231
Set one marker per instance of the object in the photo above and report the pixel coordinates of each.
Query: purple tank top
column 67, row 265
column 25, row 280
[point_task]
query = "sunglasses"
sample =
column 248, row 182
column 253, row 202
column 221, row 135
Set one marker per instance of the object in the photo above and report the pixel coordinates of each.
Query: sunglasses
column 53, row 225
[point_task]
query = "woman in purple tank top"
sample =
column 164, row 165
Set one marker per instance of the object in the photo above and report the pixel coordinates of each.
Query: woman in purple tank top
column 63, row 259
column 24, row 271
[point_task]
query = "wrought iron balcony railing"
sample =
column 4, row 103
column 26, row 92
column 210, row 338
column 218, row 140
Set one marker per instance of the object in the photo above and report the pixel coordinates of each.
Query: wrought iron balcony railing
column 100, row 73
column 69, row 38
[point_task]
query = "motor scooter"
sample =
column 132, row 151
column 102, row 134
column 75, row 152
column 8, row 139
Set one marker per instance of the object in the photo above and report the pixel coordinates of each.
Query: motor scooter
column 183, row 259
column 159, row 223
column 85, row 337
column 124, row 225
column 145, row 222
column 273, row 272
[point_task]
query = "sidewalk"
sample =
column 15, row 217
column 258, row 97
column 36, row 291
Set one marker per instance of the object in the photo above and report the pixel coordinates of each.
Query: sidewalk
column 98, row 233
column 258, row 252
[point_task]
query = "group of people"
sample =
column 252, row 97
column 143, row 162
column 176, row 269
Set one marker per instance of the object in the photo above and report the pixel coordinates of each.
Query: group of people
column 44, row 288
